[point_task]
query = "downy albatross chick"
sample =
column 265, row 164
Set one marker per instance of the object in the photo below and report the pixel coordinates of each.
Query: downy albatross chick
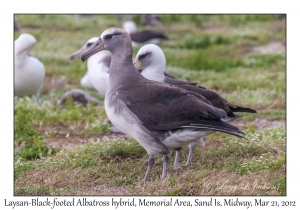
column 151, row 61
column 29, row 71
column 97, row 68
column 152, row 112
column 79, row 97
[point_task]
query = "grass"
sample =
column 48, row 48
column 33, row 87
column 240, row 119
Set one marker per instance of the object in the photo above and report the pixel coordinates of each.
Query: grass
column 217, row 51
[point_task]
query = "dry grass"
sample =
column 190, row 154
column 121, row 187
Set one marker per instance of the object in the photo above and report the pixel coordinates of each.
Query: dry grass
column 225, row 166
column 186, row 181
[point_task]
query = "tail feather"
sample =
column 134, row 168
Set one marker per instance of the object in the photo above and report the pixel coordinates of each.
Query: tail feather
column 215, row 129
column 242, row 109
column 216, row 126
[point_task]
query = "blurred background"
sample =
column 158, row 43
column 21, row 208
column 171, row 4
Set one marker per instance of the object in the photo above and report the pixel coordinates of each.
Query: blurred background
column 241, row 57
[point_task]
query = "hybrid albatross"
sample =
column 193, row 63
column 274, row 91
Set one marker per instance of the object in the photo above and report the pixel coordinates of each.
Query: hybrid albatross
column 152, row 112
column 143, row 37
column 97, row 68
column 151, row 61
column 29, row 71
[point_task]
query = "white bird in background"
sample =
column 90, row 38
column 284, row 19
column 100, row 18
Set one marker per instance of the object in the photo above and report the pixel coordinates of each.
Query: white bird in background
column 129, row 26
column 29, row 71
column 84, row 82
column 97, row 75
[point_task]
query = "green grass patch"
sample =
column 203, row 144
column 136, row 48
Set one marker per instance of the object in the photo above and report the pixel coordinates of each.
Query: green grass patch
column 281, row 183
column 26, row 134
column 264, row 162
column 39, row 191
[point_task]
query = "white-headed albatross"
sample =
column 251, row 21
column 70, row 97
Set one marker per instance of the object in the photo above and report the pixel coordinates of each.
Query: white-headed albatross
column 29, row 71
column 151, row 62
column 97, row 73
column 144, row 36
column 151, row 112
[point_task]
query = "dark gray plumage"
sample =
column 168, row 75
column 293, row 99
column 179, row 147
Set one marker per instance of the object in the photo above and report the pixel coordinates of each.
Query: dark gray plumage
column 146, row 35
column 143, row 36
column 151, row 62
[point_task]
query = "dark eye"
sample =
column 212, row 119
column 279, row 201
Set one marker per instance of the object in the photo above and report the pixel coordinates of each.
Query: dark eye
column 108, row 36
column 142, row 56
column 89, row 44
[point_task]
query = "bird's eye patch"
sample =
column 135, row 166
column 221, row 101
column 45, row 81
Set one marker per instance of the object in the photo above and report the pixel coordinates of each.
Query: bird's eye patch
column 89, row 44
column 109, row 36
column 143, row 56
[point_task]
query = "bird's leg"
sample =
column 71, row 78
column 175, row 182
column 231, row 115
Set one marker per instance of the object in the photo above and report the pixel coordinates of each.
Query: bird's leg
column 176, row 159
column 165, row 166
column 202, row 141
column 191, row 146
column 150, row 165
column 37, row 99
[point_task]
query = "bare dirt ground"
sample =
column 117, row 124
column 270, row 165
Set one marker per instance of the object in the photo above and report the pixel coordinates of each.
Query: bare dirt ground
column 52, row 82
column 271, row 47
column 261, row 124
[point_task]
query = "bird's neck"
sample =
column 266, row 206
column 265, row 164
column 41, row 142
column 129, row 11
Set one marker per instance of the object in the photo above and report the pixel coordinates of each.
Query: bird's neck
column 21, row 57
column 122, row 70
column 155, row 73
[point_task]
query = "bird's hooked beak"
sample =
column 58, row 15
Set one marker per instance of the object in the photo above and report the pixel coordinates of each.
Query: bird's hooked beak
column 96, row 47
column 137, row 64
column 78, row 52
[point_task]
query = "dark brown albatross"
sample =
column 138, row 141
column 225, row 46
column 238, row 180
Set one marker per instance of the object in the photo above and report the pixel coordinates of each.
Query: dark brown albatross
column 152, row 112
column 151, row 62
column 144, row 36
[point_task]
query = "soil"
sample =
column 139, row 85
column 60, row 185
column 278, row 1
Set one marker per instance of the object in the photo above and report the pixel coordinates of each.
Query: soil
column 261, row 124
column 271, row 47
column 59, row 83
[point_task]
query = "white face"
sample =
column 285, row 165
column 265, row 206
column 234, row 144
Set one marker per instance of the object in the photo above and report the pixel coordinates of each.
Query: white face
column 84, row 48
column 91, row 41
column 151, row 56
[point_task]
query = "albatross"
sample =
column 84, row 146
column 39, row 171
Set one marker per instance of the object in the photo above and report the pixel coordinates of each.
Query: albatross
column 29, row 71
column 151, row 112
column 97, row 68
column 151, row 62
column 143, row 37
